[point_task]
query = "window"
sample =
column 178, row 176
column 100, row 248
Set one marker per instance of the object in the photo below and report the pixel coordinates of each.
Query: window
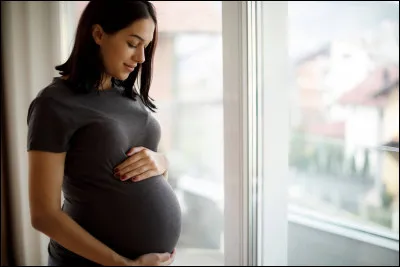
column 329, row 131
column 188, row 88
column 343, row 152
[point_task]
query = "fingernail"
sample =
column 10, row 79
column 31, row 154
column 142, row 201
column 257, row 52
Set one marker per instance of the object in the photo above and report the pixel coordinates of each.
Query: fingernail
column 116, row 174
column 123, row 177
column 116, row 170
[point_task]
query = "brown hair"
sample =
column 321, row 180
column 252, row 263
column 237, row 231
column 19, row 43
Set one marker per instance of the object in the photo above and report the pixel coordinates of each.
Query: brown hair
column 84, row 66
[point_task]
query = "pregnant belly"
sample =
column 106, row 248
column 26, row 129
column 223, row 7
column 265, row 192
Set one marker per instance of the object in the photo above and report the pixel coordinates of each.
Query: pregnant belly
column 131, row 218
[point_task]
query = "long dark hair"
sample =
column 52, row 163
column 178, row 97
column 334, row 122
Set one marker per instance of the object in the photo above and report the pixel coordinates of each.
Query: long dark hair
column 85, row 67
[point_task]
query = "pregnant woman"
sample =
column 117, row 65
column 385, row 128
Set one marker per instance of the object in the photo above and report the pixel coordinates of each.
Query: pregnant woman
column 91, row 134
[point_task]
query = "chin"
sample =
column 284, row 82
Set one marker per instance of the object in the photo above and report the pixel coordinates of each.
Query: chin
column 122, row 76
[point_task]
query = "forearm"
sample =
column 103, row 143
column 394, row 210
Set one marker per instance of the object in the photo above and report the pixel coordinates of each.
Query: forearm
column 65, row 231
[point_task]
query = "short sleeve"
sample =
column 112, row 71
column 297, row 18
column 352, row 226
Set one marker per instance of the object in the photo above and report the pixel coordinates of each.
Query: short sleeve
column 50, row 125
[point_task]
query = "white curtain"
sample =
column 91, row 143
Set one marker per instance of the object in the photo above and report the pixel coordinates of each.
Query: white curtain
column 31, row 47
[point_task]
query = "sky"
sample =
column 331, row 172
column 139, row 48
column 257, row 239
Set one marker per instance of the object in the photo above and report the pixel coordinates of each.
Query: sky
column 314, row 23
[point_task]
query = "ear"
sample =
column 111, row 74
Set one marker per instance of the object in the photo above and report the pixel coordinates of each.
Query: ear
column 97, row 33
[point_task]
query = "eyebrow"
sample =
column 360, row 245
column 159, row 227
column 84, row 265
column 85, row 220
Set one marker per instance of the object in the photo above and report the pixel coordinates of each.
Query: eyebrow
column 137, row 36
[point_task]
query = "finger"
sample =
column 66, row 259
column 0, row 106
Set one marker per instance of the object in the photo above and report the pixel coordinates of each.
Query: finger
column 163, row 257
column 170, row 260
column 129, row 161
column 173, row 254
column 134, row 150
column 132, row 167
column 145, row 175
column 138, row 171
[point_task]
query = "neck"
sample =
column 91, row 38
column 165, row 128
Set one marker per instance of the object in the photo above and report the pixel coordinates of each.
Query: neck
column 105, row 83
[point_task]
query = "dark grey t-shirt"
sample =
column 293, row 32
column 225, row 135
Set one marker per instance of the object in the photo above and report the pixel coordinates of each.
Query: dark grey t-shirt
column 96, row 130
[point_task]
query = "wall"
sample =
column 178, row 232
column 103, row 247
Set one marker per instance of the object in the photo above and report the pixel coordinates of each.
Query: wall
column 361, row 132
column 391, row 116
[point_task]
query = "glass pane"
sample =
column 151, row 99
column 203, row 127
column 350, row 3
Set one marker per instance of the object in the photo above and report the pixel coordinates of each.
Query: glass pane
column 187, row 88
column 344, row 163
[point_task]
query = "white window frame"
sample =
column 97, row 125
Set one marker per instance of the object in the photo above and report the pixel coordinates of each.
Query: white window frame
column 234, row 48
column 275, row 127
column 260, row 240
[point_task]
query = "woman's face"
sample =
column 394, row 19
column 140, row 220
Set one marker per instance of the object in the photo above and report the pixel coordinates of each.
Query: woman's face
column 122, row 51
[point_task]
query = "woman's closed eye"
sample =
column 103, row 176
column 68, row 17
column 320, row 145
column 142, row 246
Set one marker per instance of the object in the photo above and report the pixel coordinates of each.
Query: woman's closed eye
column 131, row 45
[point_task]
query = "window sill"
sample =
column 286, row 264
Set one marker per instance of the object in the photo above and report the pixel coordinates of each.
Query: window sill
column 318, row 221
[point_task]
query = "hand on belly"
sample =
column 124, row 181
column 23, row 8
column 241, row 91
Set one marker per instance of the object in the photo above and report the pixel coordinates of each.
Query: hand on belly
column 153, row 259
column 142, row 163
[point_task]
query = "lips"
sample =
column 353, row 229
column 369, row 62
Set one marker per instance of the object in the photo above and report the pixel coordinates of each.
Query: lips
column 129, row 68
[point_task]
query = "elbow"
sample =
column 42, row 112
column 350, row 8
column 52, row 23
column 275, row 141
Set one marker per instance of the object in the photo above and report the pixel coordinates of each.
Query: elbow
column 37, row 222
column 42, row 221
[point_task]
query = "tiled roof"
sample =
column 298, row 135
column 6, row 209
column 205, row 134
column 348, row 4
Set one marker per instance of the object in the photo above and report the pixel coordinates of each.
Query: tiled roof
column 363, row 94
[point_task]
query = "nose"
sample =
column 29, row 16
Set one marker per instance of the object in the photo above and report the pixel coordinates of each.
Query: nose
column 139, row 55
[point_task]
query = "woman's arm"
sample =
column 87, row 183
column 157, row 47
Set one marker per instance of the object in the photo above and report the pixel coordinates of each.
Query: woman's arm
column 46, row 171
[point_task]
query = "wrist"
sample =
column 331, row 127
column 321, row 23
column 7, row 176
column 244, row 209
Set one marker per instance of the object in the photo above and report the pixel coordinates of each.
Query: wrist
column 118, row 260
column 133, row 263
